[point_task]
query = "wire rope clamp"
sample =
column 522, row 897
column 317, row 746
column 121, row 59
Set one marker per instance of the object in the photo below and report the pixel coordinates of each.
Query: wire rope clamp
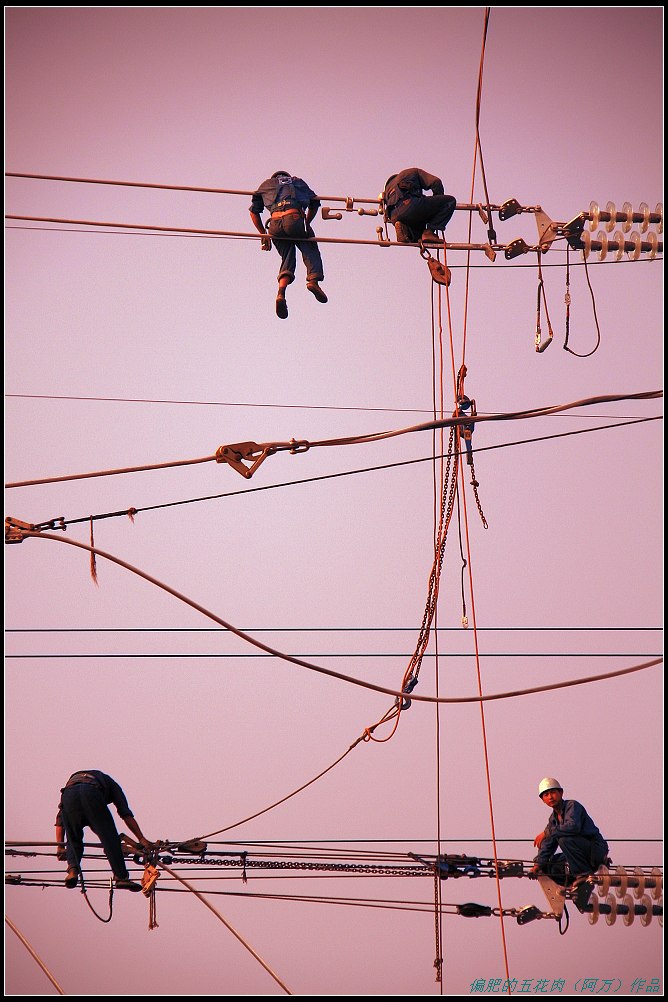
column 235, row 455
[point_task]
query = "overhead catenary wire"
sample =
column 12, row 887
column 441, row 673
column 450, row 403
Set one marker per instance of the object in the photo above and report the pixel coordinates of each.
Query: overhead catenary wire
column 320, row 668
column 301, row 445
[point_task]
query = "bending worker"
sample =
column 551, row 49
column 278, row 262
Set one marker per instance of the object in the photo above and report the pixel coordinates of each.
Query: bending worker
column 83, row 802
column 292, row 205
column 414, row 215
column 570, row 829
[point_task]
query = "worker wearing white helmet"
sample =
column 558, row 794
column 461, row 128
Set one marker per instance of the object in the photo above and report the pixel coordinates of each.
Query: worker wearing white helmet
column 571, row 830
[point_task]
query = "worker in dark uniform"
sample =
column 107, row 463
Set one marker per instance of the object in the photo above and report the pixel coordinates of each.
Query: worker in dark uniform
column 83, row 803
column 292, row 206
column 570, row 829
column 415, row 216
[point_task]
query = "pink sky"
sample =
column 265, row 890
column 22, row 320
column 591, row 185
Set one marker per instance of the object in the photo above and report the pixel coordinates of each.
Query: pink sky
column 176, row 333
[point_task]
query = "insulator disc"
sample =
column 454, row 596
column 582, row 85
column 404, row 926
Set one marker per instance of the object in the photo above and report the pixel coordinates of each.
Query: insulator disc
column 653, row 241
column 595, row 912
column 639, row 888
column 620, row 889
column 659, row 212
column 628, row 222
column 630, row 910
column 611, row 917
column 660, row 917
column 595, row 214
column 636, row 240
column 647, row 902
column 612, row 222
column 603, row 237
column 586, row 240
column 657, row 890
column 604, row 886
column 644, row 208
column 617, row 241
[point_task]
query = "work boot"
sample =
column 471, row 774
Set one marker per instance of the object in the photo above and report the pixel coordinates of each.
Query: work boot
column 281, row 305
column 72, row 877
column 317, row 291
column 126, row 884
column 429, row 237
column 403, row 233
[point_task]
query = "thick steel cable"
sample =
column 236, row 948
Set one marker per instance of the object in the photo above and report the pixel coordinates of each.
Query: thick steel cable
column 227, row 926
column 349, row 473
column 238, row 234
column 319, row 668
column 214, row 191
column 34, row 956
column 277, row 447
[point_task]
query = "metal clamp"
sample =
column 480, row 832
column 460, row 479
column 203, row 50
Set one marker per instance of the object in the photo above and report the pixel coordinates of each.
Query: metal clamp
column 234, row 456
column 15, row 529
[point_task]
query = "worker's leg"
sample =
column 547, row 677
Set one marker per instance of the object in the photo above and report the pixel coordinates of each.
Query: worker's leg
column 73, row 822
column 577, row 850
column 100, row 821
column 433, row 211
column 286, row 249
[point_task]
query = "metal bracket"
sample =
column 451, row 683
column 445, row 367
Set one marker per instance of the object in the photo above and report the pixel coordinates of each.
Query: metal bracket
column 554, row 894
column 382, row 239
column 15, row 529
column 510, row 208
column 515, row 248
column 328, row 213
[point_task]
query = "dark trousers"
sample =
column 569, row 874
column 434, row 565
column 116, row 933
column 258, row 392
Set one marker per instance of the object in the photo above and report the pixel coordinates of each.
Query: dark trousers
column 83, row 806
column 433, row 211
column 578, row 854
column 294, row 225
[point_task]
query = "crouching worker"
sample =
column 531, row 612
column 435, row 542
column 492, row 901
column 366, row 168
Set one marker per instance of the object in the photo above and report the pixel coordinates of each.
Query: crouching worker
column 571, row 830
column 83, row 803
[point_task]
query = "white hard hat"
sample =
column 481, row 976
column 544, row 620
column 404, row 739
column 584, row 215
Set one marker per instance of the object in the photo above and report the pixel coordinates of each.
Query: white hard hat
column 549, row 783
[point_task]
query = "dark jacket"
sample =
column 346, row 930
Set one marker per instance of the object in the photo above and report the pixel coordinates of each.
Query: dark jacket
column 570, row 818
column 283, row 192
column 409, row 183
column 111, row 791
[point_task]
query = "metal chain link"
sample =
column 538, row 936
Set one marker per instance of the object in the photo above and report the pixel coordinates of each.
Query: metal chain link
column 476, row 485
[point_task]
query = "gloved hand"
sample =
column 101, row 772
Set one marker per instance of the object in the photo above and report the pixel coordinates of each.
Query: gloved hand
column 61, row 854
column 145, row 844
column 265, row 242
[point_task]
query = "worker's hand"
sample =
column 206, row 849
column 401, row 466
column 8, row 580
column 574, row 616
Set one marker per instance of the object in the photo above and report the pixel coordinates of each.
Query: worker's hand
column 61, row 854
column 145, row 844
column 265, row 242
column 538, row 839
column 534, row 872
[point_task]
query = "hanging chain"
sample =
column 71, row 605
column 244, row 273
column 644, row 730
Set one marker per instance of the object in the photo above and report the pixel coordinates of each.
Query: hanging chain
column 438, row 962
